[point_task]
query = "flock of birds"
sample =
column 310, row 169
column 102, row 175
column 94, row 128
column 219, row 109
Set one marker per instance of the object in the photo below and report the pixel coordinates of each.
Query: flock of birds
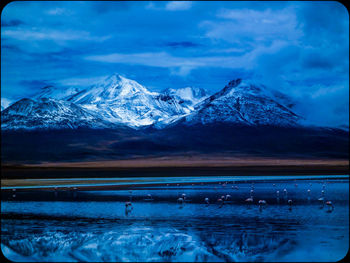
column 227, row 198
column 249, row 201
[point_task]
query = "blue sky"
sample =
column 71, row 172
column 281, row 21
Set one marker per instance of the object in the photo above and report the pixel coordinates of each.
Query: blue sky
column 301, row 48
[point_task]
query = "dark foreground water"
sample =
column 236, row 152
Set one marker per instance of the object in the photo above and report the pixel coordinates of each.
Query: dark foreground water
column 95, row 225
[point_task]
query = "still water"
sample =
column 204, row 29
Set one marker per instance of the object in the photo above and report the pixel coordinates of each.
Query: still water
column 158, row 226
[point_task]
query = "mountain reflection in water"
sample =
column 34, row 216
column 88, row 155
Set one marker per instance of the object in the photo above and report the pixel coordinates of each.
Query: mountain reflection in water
column 94, row 225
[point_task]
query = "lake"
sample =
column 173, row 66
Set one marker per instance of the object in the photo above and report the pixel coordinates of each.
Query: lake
column 96, row 225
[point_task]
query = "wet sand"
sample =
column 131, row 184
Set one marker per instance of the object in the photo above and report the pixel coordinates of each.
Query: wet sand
column 123, row 173
column 198, row 161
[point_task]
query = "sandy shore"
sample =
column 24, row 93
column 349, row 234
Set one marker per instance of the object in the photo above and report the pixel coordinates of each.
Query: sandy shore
column 122, row 172
column 194, row 161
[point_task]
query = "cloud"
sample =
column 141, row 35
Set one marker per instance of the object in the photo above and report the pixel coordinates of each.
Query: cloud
column 59, row 11
column 182, row 44
column 252, row 27
column 186, row 64
column 11, row 23
column 178, row 5
column 81, row 82
column 35, row 83
column 319, row 109
column 49, row 34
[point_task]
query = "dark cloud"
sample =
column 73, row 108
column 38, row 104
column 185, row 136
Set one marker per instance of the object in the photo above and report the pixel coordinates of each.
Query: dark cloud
column 318, row 61
column 36, row 84
column 11, row 23
column 182, row 44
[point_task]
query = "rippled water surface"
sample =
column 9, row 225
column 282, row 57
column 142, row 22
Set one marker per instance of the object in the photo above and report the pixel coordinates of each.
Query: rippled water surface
column 96, row 226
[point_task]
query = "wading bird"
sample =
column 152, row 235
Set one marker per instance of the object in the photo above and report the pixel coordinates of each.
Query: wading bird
column 128, row 208
column 249, row 200
column 321, row 199
column 149, row 198
column 330, row 206
column 285, row 193
column 221, row 201
column 262, row 204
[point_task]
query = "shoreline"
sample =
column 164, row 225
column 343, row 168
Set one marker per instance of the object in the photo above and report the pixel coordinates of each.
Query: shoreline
column 7, row 185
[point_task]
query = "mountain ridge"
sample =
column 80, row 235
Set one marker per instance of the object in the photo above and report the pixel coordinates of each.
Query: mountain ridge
column 117, row 100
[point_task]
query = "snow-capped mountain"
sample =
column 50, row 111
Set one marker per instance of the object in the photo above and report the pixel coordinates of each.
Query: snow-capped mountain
column 187, row 97
column 121, row 100
column 48, row 114
column 243, row 102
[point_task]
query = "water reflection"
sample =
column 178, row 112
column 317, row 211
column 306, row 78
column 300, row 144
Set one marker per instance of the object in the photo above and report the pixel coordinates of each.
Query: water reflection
column 180, row 223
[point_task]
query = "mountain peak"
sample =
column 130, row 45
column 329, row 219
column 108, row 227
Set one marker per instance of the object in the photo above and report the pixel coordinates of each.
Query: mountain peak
column 244, row 102
column 234, row 83
column 115, row 77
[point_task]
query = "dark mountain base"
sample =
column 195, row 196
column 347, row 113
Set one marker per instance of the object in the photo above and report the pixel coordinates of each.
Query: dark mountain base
column 90, row 145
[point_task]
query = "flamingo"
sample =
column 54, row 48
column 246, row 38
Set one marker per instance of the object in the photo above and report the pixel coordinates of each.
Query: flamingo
column 221, row 201
column 227, row 197
column 285, row 193
column 308, row 195
column 290, row 202
column 180, row 200
column 262, row 203
column 128, row 208
column 278, row 196
column 206, row 200
column 149, row 198
column 321, row 199
column 250, row 200
column 223, row 198
column 330, row 206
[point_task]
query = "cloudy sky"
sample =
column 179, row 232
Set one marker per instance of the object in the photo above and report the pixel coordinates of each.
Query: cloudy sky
column 295, row 47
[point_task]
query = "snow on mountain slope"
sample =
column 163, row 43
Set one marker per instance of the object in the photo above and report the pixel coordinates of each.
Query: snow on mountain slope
column 121, row 101
column 118, row 99
column 48, row 114
column 5, row 103
column 243, row 102
column 187, row 97
column 58, row 93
